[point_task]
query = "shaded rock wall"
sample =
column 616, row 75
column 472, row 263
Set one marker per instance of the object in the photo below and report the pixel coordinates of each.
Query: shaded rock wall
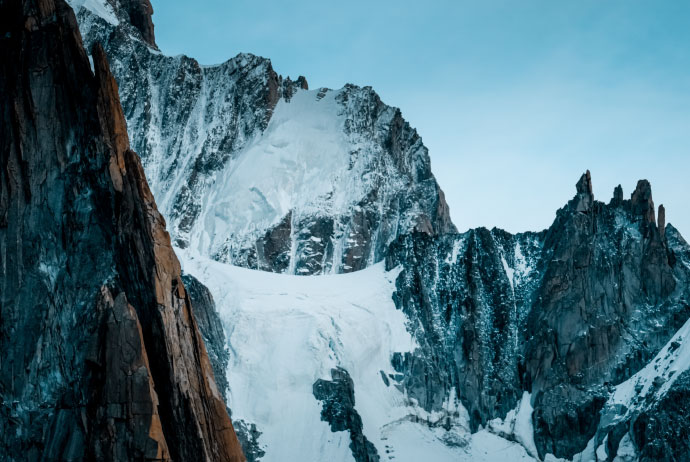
column 210, row 327
column 139, row 13
column 604, row 308
column 100, row 355
column 338, row 409
column 564, row 314
column 662, row 432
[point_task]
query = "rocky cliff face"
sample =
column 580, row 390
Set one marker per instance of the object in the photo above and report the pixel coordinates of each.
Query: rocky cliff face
column 569, row 331
column 100, row 355
column 566, row 314
column 338, row 398
column 139, row 13
column 256, row 170
column 607, row 304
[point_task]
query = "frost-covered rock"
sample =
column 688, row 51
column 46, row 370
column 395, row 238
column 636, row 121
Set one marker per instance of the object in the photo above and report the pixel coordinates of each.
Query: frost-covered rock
column 256, row 170
column 564, row 314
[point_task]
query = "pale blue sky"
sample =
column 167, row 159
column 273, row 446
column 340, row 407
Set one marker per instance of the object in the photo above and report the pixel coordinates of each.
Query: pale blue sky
column 514, row 99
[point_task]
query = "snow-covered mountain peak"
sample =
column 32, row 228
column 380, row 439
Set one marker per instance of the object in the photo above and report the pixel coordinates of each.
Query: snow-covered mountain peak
column 254, row 169
column 101, row 8
column 133, row 17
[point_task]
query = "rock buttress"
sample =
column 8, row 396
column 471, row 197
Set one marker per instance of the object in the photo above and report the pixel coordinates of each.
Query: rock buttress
column 100, row 354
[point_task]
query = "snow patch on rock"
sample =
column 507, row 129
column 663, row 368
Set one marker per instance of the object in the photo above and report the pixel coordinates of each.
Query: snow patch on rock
column 100, row 8
column 517, row 426
column 655, row 378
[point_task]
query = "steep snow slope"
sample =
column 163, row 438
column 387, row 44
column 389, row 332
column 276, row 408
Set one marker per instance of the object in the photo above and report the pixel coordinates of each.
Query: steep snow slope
column 305, row 165
column 253, row 169
column 286, row 332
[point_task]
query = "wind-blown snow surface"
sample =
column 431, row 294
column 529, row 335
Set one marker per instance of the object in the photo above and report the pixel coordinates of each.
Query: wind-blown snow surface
column 285, row 332
column 301, row 163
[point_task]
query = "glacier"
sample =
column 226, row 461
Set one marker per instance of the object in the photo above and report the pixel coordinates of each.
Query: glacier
column 285, row 332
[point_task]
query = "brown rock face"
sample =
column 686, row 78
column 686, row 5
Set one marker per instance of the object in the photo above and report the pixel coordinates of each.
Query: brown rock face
column 140, row 12
column 100, row 354
column 126, row 406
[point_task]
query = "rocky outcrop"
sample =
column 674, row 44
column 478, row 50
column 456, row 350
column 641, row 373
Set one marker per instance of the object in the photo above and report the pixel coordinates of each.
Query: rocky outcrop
column 139, row 14
column 662, row 432
column 195, row 128
column 468, row 297
column 250, row 440
column 100, row 354
column 338, row 409
column 123, row 416
column 211, row 328
column 564, row 314
column 604, row 308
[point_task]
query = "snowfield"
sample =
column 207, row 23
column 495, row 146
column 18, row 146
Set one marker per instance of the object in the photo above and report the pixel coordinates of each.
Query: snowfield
column 284, row 332
column 299, row 164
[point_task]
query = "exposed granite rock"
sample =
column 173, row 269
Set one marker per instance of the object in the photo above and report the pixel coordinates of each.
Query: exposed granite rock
column 468, row 297
column 563, row 314
column 139, row 13
column 211, row 329
column 585, row 196
column 641, row 202
column 662, row 432
column 273, row 250
column 338, row 401
column 125, row 407
column 617, row 196
column 290, row 87
column 151, row 274
column 639, row 426
column 249, row 437
column 100, row 355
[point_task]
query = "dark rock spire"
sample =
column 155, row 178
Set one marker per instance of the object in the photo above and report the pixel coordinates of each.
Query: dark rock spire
column 140, row 12
column 585, row 196
column 302, row 82
column 617, row 199
column 584, row 184
column 97, row 337
column 642, row 205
